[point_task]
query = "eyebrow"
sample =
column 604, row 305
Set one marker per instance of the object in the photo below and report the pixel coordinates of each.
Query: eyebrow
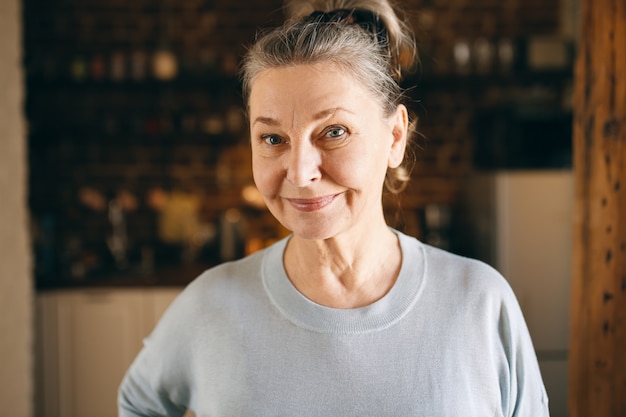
column 319, row 115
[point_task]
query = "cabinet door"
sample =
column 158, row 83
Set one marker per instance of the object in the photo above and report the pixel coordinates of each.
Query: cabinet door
column 86, row 340
column 99, row 334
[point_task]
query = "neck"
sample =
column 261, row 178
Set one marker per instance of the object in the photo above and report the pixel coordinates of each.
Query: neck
column 347, row 271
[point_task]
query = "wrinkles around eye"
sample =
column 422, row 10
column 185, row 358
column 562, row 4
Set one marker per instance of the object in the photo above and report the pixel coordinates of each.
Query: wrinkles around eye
column 272, row 140
column 335, row 132
column 334, row 137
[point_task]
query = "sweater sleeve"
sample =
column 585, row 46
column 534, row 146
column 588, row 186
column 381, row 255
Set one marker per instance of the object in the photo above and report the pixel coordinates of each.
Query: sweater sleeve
column 526, row 395
column 497, row 327
column 158, row 381
column 142, row 394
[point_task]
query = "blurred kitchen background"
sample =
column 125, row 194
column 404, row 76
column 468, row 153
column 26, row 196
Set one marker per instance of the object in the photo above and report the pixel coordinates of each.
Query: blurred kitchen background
column 139, row 171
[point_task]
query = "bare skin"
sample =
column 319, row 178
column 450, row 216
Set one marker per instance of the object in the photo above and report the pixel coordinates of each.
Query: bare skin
column 339, row 275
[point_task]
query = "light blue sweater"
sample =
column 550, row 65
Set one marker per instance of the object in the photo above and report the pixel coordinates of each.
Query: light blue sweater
column 449, row 339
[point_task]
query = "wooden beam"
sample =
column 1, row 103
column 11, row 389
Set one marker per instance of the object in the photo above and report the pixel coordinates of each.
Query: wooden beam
column 597, row 362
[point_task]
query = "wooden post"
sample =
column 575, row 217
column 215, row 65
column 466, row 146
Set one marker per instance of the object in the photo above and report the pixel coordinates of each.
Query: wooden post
column 597, row 362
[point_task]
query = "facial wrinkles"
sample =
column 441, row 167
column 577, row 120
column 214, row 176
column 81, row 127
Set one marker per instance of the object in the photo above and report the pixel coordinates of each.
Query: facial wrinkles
column 303, row 112
column 302, row 128
column 308, row 157
column 293, row 118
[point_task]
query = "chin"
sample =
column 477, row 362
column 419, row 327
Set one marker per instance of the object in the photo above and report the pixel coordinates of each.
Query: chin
column 313, row 236
column 319, row 230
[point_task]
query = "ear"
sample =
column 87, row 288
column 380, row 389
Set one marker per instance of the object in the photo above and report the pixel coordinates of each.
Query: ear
column 400, row 128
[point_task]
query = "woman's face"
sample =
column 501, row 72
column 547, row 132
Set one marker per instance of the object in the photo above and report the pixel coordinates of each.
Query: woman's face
column 321, row 146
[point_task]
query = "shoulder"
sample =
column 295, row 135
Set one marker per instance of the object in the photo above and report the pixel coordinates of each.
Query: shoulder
column 233, row 273
column 223, row 283
column 464, row 269
column 216, row 299
column 456, row 276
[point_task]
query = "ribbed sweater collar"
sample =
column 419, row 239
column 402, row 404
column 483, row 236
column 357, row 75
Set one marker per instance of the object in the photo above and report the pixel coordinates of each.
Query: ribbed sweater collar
column 377, row 316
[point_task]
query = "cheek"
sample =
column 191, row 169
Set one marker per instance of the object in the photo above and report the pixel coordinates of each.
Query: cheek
column 362, row 167
column 265, row 176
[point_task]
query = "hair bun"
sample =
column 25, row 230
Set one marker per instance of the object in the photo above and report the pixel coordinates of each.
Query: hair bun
column 375, row 16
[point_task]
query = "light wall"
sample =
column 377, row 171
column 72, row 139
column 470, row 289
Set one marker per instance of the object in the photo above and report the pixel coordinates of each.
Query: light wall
column 16, row 292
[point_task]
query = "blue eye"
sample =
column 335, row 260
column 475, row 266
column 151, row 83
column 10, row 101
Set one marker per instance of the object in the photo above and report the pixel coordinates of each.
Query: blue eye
column 336, row 132
column 272, row 139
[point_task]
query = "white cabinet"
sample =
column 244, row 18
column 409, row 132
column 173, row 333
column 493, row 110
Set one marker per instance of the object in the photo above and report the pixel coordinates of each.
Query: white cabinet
column 86, row 340
column 522, row 224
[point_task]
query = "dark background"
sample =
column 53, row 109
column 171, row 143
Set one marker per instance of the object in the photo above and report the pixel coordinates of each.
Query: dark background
column 101, row 119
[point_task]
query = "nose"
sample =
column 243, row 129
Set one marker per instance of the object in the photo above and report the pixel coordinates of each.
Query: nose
column 303, row 164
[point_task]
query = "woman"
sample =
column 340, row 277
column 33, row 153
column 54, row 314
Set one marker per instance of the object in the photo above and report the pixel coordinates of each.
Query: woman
column 345, row 317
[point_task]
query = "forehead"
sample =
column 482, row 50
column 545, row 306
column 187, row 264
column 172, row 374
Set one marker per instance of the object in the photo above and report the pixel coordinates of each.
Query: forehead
column 307, row 87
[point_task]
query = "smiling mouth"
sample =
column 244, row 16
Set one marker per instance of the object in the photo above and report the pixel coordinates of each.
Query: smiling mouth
column 312, row 204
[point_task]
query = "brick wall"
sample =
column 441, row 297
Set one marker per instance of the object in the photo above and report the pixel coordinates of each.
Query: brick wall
column 100, row 118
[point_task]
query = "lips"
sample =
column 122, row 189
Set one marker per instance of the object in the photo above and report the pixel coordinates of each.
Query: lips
column 312, row 204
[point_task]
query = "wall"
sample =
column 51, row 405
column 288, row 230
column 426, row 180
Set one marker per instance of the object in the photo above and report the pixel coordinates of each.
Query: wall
column 16, row 341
